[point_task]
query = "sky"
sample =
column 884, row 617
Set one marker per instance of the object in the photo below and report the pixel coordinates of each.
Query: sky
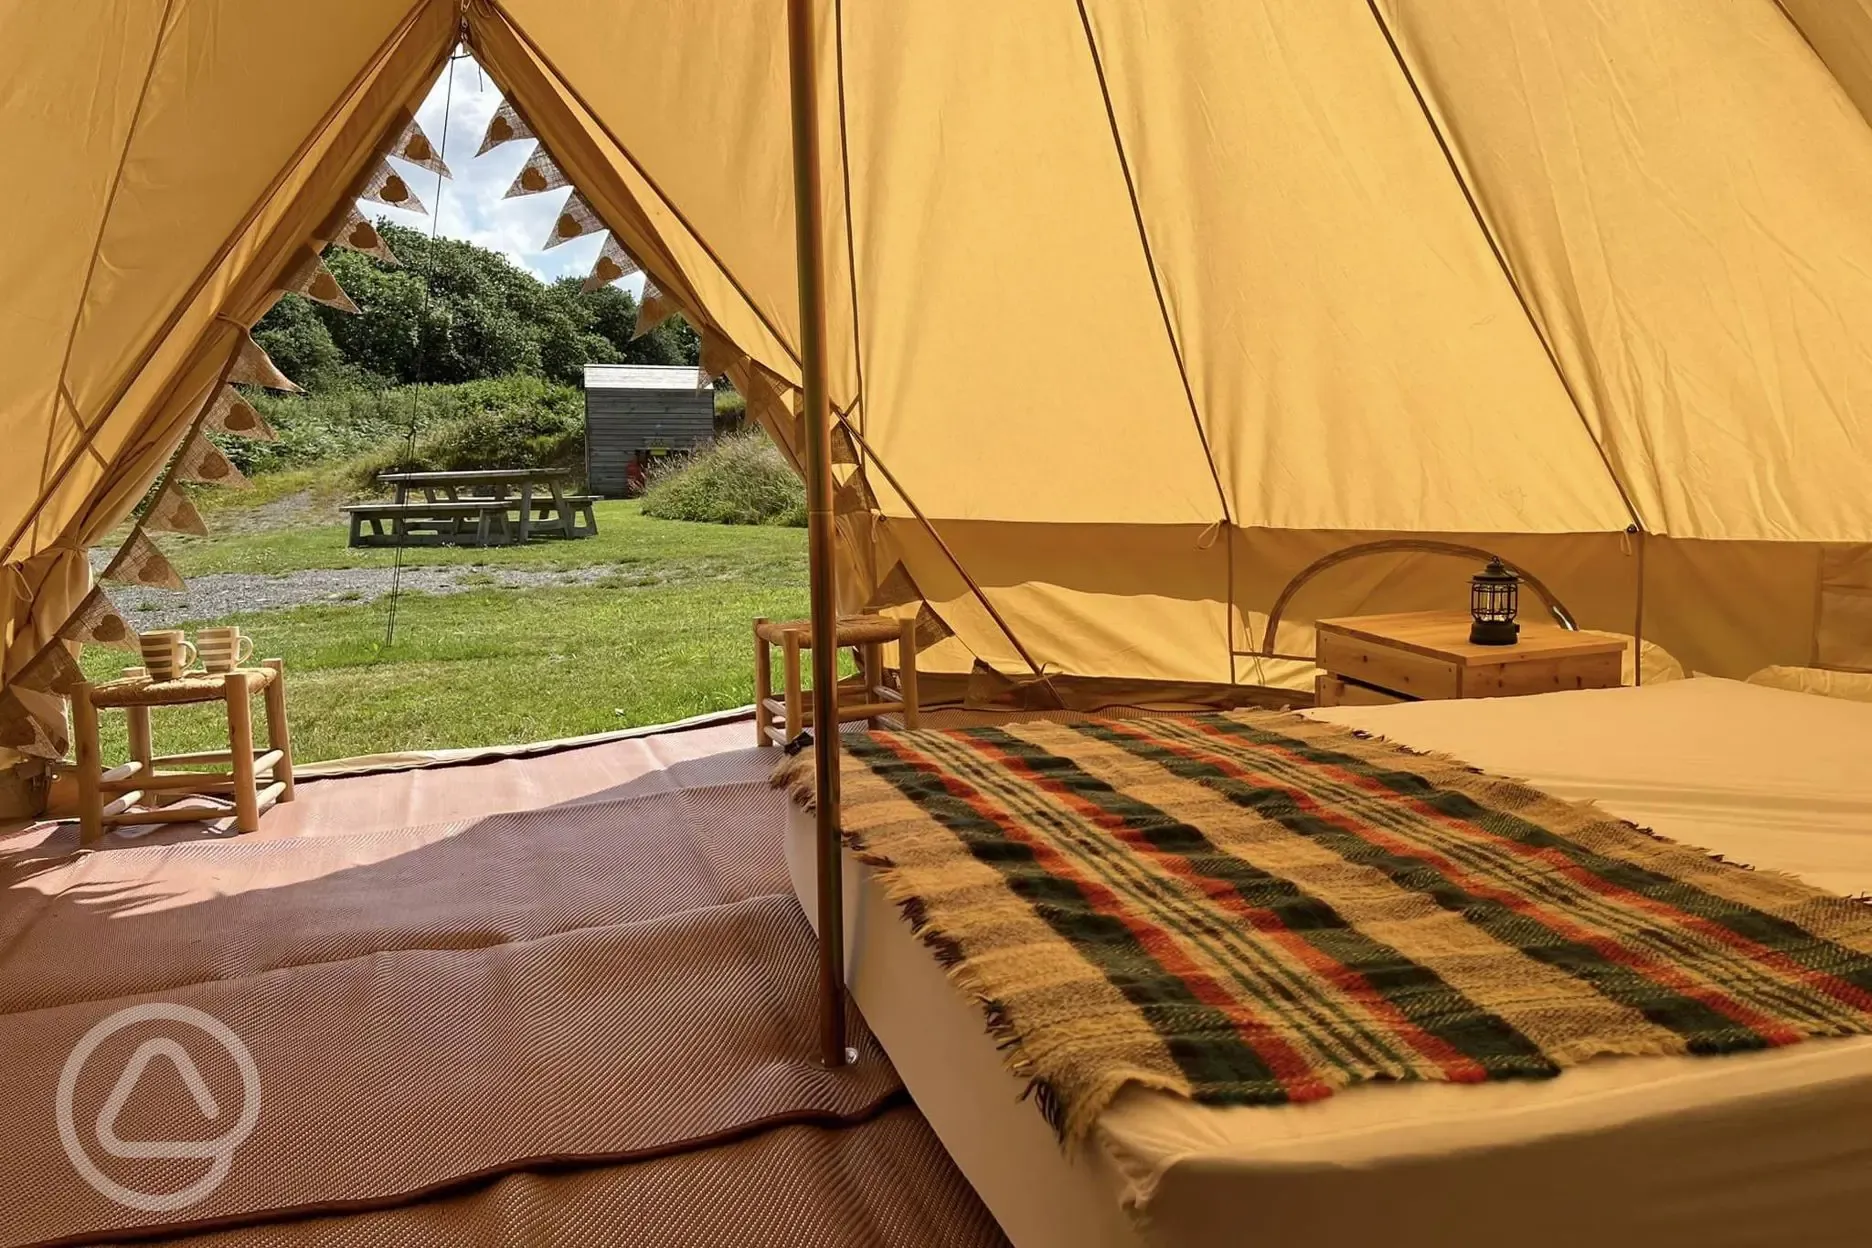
column 471, row 206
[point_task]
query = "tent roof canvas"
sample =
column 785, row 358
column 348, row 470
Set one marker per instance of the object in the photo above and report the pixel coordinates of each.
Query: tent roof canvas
column 1231, row 287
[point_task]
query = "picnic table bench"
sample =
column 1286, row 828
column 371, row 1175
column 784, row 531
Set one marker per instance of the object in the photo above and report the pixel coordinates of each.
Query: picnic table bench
column 482, row 507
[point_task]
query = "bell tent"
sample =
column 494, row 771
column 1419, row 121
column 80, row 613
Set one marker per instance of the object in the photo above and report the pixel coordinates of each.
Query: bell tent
column 1153, row 331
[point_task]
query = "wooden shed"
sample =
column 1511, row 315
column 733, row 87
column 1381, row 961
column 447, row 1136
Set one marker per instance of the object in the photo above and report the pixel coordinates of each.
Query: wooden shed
column 636, row 413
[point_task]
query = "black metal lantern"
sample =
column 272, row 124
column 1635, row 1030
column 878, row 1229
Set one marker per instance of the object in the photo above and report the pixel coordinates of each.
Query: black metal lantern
column 1494, row 596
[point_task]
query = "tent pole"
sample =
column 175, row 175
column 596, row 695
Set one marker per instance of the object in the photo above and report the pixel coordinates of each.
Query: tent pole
column 810, row 239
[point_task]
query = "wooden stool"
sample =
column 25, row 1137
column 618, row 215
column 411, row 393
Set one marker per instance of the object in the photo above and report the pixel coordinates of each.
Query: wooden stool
column 870, row 699
column 140, row 781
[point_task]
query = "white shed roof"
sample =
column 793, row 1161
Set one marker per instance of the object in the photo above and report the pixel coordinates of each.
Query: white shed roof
column 642, row 377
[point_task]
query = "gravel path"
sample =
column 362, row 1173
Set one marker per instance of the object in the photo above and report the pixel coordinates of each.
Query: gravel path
column 221, row 594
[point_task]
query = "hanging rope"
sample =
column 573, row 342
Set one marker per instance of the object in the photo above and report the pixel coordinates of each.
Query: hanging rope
column 422, row 351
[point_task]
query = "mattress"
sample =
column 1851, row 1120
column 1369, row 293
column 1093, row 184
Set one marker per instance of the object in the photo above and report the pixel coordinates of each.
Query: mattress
column 1764, row 1148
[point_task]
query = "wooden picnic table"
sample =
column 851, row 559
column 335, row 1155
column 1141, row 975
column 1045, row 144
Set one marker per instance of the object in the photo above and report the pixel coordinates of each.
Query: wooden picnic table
column 454, row 495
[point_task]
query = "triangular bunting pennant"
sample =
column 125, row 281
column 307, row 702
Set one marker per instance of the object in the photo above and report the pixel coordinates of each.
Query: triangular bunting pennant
column 173, row 512
column 504, row 126
column 718, row 356
column 98, row 622
column 895, row 590
column 930, row 629
column 140, row 562
column 201, row 460
column 232, row 414
column 413, row 145
column 763, row 397
column 575, row 220
column 254, row 367
column 24, row 730
column 313, row 280
column 52, row 670
column 652, row 310
column 386, row 186
column 854, row 497
column 614, row 263
column 538, row 175
column 351, row 230
column 843, row 451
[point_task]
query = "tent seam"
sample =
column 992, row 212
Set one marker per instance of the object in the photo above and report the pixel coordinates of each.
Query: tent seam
column 363, row 77
column 1501, row 261
column 851, row 242
column 1150, row 262
column 1163, row 308
column 760, row 313
column 1782, row 8
column 59, row 389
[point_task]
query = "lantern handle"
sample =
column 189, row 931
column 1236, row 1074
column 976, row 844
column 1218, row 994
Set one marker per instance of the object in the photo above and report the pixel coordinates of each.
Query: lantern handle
column 1397, row 545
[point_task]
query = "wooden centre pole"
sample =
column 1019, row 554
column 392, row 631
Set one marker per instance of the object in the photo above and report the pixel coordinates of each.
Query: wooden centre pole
column 809, row 231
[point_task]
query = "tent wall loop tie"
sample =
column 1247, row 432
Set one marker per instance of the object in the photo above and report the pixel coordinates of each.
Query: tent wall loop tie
column 1405, row 545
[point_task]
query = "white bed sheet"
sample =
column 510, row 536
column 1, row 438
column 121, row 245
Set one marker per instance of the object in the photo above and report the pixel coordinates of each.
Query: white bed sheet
column 1772, row 1148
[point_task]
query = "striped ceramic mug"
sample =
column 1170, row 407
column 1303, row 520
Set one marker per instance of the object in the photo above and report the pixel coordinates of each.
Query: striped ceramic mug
column 166, row 653
column 223, row 649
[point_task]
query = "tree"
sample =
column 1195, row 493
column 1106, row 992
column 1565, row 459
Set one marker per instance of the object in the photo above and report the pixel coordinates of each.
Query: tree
column 297, row 339
column 457, row 312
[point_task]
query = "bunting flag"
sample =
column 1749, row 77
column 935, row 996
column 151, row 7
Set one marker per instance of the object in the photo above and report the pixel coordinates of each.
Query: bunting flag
column 575, row 220
column 231, row 413
column 504, row 126
column 174, row 512
column 140, row 562
column 201, row 460
column 24, row 730
column 312, row 279
column 930, row 628
column 386, row 186
column 52, row 670
column 718, row 356
column 539, row 174
column 763, row 397
column 895, row 590
column 843, row 450
column 352, row 231
column 413, row 145
column 98, row 622
column 614, row 263
column 652, row 310
column 854, row 497
column 254, row 367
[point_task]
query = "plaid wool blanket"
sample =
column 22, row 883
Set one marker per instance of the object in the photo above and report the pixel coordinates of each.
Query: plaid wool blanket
column 1253, row 908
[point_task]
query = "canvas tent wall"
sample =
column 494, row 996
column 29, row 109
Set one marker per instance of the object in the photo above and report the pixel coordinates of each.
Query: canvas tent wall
column 1237, row 285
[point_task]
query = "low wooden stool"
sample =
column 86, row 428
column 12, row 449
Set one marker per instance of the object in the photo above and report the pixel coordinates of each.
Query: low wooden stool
column 107, row 801
column 870, row 699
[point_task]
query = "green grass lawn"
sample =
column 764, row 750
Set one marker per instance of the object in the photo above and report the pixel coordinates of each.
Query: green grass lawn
column 667, row 636
column 626, row 539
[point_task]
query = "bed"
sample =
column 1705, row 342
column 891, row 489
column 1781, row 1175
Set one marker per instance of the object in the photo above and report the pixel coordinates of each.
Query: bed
column 1757, row 1148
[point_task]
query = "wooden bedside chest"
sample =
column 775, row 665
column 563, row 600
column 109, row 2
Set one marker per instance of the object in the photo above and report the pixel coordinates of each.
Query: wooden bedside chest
column 1410, row 656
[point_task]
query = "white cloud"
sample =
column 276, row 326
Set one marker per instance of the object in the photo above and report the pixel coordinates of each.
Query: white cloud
column 469, row 205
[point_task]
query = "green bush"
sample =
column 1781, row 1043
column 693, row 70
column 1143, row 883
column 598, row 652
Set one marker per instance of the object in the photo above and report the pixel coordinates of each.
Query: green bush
column 318, row 429
column 739, row 479
column 505, row 422
column 730, row 408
